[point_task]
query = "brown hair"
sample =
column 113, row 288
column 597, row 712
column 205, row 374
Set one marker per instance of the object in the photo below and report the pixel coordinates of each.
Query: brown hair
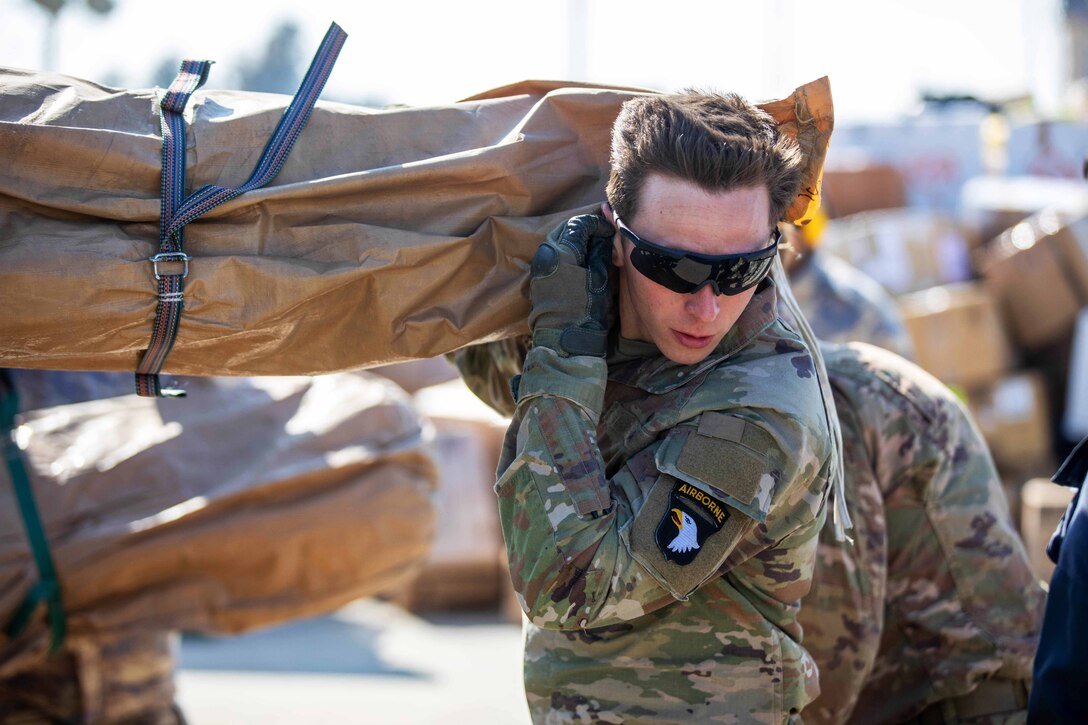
column 718, row 141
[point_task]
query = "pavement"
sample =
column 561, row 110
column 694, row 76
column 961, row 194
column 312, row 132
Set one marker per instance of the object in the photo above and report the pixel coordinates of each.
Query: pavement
column 370, row 662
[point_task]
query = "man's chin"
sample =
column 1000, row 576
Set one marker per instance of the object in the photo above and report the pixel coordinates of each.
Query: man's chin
column 686, row 355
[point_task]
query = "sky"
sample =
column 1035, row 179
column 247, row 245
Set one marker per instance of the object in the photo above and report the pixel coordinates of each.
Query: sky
column 879, row 55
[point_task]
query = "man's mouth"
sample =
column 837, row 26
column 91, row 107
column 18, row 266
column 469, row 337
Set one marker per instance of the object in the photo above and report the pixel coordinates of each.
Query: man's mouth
column 692, row 341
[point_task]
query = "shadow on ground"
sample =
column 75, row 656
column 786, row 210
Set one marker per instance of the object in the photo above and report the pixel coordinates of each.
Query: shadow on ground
column 325, row 645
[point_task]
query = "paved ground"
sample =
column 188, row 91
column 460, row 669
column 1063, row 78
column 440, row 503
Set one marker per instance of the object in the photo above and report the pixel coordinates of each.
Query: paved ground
column 371, row 662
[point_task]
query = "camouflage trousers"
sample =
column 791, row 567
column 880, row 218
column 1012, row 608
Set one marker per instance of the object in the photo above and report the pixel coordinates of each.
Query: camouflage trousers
column 118, row 679
column 931, row 615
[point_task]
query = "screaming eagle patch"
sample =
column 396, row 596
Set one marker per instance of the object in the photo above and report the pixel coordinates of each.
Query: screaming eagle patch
column 692, row 516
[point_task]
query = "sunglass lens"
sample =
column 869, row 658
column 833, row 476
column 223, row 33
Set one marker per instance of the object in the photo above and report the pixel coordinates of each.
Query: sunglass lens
column 685, row 275
column 660, row 269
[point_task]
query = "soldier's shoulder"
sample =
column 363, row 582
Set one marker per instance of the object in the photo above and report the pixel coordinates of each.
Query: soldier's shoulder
column 776, row 370
column 773, row 384
column 880, row 381
column 850, row 282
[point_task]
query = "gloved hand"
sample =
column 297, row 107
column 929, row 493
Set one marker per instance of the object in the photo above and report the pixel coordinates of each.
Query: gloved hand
column 568, row 287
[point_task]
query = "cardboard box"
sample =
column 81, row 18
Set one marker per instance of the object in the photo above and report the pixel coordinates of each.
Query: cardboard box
column 451, row 586
column 905, row 250
column 1038, row 273
column 994, row 204
column 856, row 188
column 957, row 334
column 463, row 566
column 1048, row 148
column 1043, row 503
column 935, row 153
column 1014, row 418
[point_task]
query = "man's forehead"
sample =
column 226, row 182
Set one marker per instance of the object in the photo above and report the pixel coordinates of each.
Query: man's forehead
column 663, row 193
column 681, row 215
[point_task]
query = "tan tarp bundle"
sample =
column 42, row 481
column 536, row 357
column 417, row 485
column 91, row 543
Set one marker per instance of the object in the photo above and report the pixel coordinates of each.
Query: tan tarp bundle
column 387, row 235
column 245, row 504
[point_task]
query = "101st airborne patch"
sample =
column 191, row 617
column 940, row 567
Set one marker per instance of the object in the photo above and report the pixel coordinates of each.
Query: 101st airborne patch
column 692, row 516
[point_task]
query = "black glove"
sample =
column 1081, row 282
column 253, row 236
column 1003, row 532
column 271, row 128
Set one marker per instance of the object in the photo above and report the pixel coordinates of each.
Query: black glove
column 568, row 287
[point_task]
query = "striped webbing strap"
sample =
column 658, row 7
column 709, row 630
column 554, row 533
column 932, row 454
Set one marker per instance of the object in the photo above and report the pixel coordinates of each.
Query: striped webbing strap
column 47, row 589
column 171, row 286
column 176, row 212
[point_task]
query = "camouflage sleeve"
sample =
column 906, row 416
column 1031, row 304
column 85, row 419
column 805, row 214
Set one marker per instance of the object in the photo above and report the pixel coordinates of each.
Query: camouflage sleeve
column 581, row 557
column 487, row 370
column 557, row 514
column 969, row 573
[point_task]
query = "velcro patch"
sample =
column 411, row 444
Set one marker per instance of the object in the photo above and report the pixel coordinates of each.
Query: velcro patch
column 730, row 454
column 726, row 427
column 727, row 457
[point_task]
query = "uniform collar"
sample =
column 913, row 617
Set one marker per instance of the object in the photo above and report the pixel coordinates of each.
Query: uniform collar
column 641, row 364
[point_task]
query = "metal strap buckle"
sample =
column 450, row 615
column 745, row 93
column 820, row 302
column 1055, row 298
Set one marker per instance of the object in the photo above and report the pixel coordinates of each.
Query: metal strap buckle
column 170, row 257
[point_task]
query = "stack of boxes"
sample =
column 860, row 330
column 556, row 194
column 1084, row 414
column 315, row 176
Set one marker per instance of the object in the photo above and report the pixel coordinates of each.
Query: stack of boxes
column 1038, row 272
column 465, row 568
column 959, row 336
column 992, row 312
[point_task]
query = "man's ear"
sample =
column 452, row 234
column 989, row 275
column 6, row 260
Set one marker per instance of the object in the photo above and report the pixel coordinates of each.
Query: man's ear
column 606, row 209
column 617, row 240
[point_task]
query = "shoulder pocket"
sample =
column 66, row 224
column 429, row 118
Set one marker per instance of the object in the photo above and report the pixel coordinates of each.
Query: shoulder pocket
column 725, row 456
column 717, row 483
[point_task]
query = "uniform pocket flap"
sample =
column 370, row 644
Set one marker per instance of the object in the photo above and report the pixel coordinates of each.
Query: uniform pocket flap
column 683, row 535
column 726, row 457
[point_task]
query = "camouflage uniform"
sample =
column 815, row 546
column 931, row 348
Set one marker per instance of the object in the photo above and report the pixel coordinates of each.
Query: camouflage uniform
column 608, row 468
column 936, row 599
column 123, row 679
column 843, row 304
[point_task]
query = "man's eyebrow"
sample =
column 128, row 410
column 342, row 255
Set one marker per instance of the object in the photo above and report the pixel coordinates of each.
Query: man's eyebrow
column 756, row 246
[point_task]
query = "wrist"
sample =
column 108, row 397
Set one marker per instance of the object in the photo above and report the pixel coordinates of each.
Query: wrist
column 579, row 379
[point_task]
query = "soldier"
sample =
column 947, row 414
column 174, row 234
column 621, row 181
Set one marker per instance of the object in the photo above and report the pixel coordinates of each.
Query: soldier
column 662, row 483
column 1060, row 668
column 841, row 302
column 933, row 615
column 127, row 679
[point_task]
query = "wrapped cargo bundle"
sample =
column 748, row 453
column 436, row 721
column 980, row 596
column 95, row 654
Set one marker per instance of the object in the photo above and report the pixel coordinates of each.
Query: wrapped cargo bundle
column 386, row 236
column 284, row 498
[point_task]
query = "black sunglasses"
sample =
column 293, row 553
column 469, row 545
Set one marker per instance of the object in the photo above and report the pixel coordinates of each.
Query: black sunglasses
column 686, row 272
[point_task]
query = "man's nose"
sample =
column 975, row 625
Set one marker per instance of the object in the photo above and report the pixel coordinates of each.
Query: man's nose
column 703, row 304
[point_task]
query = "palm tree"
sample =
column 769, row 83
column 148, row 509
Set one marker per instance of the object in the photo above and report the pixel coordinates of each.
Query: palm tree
column 53, row 9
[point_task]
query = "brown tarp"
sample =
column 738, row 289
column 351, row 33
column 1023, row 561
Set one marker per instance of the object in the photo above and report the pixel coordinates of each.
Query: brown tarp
column 248, row 503
column 388, row 235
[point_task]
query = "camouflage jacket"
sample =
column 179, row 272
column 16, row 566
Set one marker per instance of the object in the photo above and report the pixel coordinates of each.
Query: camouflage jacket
column 661, row 523
column 102, row 678
column 937, row 594
column 843, row 304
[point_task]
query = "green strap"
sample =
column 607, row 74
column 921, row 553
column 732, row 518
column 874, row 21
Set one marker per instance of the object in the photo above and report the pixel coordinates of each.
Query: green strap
column 48, row 587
